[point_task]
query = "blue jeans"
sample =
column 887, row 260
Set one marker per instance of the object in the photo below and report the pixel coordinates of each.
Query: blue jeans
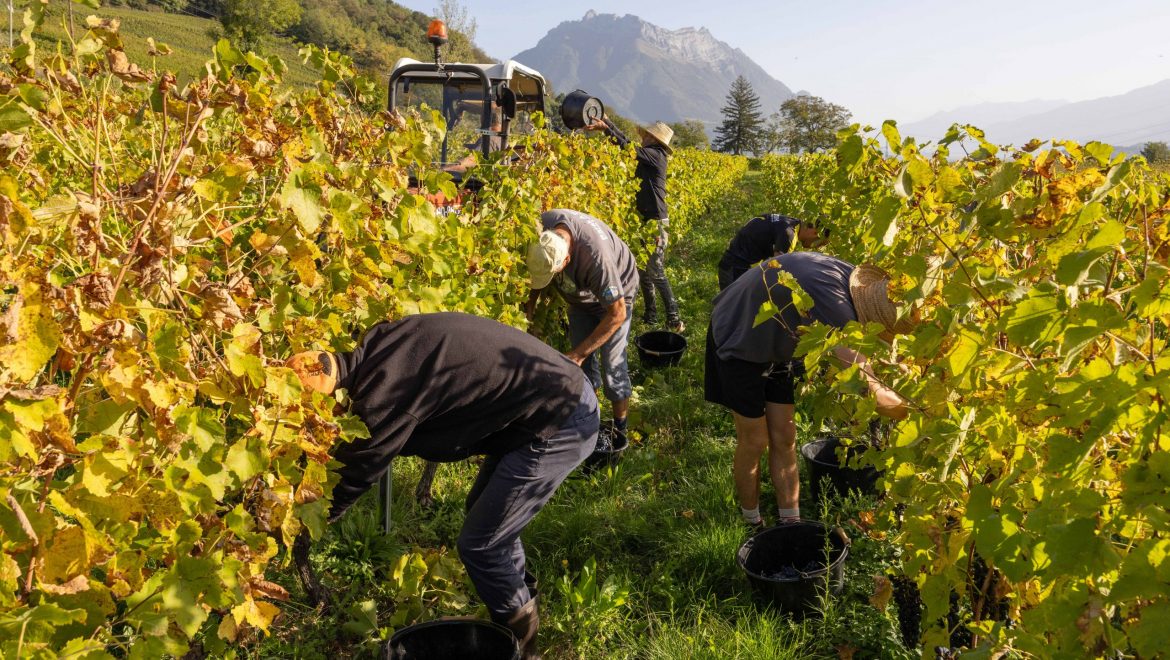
column 508, row 492
column 613, row 353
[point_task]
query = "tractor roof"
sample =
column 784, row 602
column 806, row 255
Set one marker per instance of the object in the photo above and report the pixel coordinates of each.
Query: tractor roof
column 496, row 71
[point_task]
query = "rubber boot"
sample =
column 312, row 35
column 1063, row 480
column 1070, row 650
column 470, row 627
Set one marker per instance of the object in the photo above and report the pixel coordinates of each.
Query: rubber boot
column 523, row 623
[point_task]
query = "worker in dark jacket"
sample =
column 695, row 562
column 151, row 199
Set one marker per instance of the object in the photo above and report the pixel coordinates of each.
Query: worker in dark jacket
column 651, row 204
column 743, row 357
column 448, row 386
column 764, row 237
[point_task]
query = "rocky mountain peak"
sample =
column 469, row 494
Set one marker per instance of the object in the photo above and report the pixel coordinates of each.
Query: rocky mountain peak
column 648, row 72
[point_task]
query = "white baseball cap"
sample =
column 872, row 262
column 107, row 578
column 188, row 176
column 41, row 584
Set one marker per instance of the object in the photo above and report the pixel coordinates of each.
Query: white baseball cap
column 546, row 258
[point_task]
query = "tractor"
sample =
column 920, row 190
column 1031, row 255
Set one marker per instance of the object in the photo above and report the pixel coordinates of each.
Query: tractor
column 482, row 105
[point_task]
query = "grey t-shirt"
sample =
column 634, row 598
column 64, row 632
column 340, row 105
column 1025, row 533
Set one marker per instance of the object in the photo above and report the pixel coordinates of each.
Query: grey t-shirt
column 601, row 267
column 824, row 278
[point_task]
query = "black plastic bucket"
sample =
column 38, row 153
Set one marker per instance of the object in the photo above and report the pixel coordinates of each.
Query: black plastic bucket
column 660, row 348
column 610, row 445
column 786, row 564
column 439, row 640
column 579, row 109
column 821, row 456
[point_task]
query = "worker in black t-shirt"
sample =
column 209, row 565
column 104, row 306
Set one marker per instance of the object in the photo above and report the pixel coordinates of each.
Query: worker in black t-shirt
column 652, row 154
column 764, row 237
column 448, row 386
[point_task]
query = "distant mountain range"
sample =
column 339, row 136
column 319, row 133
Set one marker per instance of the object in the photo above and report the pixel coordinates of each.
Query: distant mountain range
column 1126, row 120
column 646, row 72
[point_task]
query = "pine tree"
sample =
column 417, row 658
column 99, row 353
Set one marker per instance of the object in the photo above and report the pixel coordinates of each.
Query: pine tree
column 743, row 122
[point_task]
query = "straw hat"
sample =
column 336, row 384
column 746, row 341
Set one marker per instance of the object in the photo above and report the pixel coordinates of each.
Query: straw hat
column 316, row 369
column 546, row 258
column 869, row 287
column 661, row 133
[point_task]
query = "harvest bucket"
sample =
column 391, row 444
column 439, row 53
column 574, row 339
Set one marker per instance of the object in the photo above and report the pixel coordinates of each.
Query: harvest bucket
column 660, row 348
column 821, row 456
column 610, row 445
column 788, row 565
column 579, row 109
column 463, row 638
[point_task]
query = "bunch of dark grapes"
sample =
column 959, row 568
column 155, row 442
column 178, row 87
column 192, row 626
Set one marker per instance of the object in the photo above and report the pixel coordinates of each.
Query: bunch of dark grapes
column 995, row 609
column 960, row 634
column 909, row 603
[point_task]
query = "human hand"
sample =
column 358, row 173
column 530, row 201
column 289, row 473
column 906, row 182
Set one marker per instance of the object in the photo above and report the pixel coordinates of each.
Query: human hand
column 598, row 125
column 577, row 359
column 889, row 404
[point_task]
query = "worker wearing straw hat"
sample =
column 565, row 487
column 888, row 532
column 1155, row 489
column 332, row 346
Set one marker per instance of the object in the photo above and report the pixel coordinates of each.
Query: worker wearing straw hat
column 651, row 204
column 745, row 361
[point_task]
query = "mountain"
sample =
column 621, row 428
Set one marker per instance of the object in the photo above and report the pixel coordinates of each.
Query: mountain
column 1136, row 117
column 646, row 72
column 982, row 115
column 1133, row 118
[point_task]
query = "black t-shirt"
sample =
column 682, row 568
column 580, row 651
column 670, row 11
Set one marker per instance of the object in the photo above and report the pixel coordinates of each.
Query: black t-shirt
column 759, row 239
column 651, row 172
column 448, row 386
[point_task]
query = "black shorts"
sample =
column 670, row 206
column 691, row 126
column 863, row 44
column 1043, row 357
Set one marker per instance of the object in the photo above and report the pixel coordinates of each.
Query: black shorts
column 747, row 387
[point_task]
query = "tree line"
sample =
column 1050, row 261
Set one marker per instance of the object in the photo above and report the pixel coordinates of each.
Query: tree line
column 804, row 123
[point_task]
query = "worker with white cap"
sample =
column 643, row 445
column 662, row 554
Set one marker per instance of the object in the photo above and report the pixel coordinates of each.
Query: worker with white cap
column 746, row 360
column 595, row 273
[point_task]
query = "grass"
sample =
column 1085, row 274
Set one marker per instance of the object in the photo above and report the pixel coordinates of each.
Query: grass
column 662, row 528
column 190, row 38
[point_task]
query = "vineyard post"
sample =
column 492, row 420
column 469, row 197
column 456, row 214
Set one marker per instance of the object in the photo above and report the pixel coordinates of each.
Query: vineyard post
column 10, row 19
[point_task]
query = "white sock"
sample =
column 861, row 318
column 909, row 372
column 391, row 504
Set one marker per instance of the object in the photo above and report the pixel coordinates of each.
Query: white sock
column 784, row 514
column 751, row 516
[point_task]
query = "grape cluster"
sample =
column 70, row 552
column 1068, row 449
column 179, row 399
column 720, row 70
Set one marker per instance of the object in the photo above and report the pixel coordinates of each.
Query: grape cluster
column 605, row 440
column 789, row 572
column 909, row 603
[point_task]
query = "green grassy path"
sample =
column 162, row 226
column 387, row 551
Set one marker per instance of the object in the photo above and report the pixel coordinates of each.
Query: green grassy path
column 662, row 528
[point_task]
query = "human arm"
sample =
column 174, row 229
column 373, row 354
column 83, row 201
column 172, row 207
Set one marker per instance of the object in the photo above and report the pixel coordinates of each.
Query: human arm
column 614, row 133
column 889, row 404
column 615, row 316
column 530, row 309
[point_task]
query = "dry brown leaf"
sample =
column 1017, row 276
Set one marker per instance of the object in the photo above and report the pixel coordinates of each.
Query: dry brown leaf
column 123, row 68
column 97, row 289
column 10, row 320
column 846, row 651
column 883, row 590
column 268, row 589
column 36, row 394
column 74, row 586
column 219, row 307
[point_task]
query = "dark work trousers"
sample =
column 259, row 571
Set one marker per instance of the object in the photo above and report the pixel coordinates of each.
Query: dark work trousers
column 729, row 275
column 654, row 277
column 508, row 492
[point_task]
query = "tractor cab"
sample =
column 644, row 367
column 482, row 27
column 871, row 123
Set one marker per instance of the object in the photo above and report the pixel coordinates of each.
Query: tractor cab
column 482, row 104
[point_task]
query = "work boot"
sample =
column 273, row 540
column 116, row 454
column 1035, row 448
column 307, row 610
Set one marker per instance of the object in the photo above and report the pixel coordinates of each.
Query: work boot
column 523, row 623
column 676, row 326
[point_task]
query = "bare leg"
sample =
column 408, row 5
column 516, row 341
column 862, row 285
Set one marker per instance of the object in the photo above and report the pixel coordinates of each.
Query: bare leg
column 422, row 492
column 782, row 463
column 621, row 408
column 751, row 441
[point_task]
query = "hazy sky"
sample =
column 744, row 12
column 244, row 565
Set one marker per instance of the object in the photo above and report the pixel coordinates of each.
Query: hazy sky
column 904, row 59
